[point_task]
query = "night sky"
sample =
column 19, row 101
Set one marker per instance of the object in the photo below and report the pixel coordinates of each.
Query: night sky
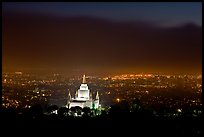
column 102, row 38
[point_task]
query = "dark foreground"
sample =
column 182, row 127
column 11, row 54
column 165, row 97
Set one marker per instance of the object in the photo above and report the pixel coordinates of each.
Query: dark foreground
column 136, row 124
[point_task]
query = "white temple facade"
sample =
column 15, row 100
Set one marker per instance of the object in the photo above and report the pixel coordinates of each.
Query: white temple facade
column 83, row 97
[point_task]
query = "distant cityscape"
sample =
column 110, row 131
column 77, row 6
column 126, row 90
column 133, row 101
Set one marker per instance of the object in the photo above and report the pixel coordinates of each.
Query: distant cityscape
column 175, row 93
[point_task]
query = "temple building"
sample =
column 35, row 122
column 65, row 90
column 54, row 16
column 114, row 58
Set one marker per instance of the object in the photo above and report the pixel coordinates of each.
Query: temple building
column 83, row 97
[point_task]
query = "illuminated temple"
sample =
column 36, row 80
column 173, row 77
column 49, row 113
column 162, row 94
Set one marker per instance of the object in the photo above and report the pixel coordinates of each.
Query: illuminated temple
column 83, row 97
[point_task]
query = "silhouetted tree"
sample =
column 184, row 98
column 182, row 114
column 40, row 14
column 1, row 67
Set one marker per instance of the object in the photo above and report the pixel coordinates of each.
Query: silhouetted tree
column 63, row 111
column 52, row 108
column 124, row 106
column 78, row 110
column 136, row 106
column 86, row 111
column 36, row 111
column 103, row 113
column 114, row 110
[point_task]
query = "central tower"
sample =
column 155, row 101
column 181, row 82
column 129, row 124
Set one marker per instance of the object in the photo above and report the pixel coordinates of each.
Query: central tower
column 83, row 91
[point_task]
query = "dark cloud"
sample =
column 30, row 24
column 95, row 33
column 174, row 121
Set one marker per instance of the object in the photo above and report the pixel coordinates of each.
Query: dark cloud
column 65, row 43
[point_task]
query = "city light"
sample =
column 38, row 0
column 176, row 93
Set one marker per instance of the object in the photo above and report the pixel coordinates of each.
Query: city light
column 179, row 110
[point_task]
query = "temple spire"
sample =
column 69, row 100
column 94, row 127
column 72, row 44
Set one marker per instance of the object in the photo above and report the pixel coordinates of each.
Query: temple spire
column 90, row 95
column 76, row 94
column 97, row 96
column 68, row 99
column 69, row 95
column 84, row 79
